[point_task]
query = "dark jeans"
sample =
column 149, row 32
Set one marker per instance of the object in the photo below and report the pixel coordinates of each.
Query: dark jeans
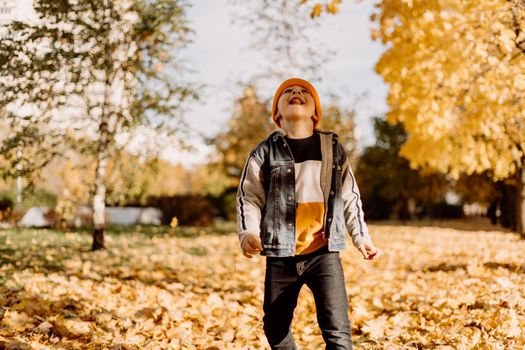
column 322, row 272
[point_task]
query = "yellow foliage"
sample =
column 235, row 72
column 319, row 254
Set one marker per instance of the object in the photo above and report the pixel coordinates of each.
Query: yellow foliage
column 128, row 178
column 174, row 222
column 316, row 10
column 331, row 7
column 456, row 71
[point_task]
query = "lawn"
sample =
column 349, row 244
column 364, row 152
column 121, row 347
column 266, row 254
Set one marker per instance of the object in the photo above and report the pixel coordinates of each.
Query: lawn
column 191, row 288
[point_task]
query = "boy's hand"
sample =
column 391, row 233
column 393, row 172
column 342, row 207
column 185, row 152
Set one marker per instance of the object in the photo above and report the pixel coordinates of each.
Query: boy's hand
column 369, row 251
column 251, row 244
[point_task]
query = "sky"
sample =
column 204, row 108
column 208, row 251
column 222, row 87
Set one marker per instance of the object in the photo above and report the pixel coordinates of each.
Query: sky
column 218, row 58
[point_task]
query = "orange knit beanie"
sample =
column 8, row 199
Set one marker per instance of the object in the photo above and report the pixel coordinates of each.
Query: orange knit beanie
column 299, row 82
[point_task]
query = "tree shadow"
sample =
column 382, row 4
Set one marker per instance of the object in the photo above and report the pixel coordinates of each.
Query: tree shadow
column 446, row 267
column 14, row 344
column 471, row 224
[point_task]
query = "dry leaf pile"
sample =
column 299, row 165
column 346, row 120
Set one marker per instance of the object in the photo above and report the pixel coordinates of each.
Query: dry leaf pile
column 434, row 288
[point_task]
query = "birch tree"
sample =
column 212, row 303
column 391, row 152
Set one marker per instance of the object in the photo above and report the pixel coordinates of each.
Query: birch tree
column 92, row 70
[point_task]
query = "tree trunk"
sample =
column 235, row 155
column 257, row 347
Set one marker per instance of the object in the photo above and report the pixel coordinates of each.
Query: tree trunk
column 99, row 199
column 509, row 204
column 98, row 239
column 520, row 205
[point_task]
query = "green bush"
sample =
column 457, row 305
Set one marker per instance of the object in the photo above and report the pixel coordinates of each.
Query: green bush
column 229, row 203
column 35, row 197
column 6, row 203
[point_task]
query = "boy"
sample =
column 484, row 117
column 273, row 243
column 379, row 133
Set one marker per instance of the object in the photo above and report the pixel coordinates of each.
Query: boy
column 296, row 196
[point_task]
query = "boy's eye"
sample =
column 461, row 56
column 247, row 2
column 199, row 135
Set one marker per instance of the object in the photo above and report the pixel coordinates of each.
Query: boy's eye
column 306, row 91
column 287, row 90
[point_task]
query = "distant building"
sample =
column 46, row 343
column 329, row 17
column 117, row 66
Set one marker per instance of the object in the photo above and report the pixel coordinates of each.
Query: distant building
column 7, row 11
column 16, row 10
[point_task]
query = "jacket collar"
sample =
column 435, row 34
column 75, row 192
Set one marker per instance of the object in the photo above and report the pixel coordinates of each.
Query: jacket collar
column 280, row 132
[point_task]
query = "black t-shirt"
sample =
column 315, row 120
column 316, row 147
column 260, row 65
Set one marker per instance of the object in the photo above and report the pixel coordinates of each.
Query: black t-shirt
column 308, row 148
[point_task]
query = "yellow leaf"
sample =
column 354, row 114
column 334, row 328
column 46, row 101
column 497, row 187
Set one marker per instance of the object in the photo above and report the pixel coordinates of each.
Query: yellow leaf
column 316, row 11
column 332, row 8
column 376, row 328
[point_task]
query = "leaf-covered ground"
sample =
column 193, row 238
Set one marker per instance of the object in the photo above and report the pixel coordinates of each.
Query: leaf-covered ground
column 434, row 288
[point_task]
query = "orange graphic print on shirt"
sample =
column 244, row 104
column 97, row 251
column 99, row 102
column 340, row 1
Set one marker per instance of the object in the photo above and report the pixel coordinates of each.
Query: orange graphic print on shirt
column 310, row 207
column 309, row 196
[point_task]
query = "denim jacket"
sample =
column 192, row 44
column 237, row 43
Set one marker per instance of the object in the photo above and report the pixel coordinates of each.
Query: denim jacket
column 266, row 196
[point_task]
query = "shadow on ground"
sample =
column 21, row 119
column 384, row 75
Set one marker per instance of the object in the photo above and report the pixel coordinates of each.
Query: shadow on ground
column 474, row 224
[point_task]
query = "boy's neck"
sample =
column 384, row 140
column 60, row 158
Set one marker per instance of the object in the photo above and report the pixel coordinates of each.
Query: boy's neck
column 299, row 129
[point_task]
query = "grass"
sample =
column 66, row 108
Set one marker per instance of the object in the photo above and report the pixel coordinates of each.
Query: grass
column 44, row 250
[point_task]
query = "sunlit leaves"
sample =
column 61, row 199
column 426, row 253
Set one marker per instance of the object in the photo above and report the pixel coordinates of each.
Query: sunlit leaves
column 433, row 286
column 249, row 125
column 330, row 6
column 456, row 71
column 316, row 11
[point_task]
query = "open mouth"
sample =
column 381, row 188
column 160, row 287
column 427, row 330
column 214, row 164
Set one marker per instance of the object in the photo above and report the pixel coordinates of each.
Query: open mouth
column 296, row 101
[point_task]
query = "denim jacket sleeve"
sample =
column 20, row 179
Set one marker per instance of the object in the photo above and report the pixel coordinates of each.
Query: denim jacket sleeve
column 250, row 196
column 352, row 206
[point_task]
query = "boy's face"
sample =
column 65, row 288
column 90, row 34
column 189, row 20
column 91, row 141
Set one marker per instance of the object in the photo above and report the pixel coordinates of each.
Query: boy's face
column 296, row 103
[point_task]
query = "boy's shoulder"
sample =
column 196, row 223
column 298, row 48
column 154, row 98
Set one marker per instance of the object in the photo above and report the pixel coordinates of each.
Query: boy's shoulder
column 326, row 132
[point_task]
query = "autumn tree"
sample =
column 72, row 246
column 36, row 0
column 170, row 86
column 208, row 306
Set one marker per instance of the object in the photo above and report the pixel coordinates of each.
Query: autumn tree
column 129, row 179
column 249, row 125
column 100, row 69
column 341, row 121
column 388, row 183
column 455, row 71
